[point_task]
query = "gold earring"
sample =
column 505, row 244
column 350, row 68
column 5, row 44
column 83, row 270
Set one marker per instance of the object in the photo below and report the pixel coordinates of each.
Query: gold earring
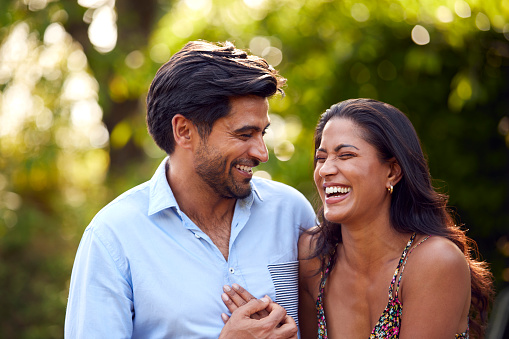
column 390, row 189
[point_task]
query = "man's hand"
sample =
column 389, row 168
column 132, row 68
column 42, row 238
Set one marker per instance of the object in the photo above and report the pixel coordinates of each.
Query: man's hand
column 276, row 325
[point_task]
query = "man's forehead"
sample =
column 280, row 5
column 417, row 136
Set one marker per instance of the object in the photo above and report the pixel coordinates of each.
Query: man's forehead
column 244, row 123
column 247, row 111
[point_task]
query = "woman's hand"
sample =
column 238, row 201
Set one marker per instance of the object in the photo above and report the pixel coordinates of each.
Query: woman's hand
column 236, row 296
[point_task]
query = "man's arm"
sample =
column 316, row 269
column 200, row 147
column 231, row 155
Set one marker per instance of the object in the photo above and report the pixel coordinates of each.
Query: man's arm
column 100, row 298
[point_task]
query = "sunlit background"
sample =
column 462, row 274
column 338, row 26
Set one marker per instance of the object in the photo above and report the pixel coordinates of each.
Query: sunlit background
column 73, row 81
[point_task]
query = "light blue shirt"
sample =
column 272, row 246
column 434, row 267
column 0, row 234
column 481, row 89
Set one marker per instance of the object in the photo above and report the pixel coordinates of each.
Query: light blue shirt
column 144, row 270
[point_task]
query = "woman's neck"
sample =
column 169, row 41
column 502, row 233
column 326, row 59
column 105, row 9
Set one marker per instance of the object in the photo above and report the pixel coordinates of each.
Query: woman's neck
column 367, row 248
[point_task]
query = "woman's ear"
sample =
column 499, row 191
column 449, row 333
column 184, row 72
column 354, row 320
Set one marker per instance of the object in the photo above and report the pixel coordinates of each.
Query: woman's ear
column 395, row 172
column 183, row 130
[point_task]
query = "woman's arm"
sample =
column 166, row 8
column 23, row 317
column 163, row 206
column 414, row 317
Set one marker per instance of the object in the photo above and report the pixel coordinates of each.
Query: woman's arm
column 309, row 280
column 435, row 291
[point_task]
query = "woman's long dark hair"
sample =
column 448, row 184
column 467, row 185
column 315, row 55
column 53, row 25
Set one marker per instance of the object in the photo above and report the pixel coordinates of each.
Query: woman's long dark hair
column 415, row 205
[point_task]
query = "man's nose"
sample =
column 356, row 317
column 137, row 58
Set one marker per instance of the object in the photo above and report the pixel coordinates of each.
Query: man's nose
column 259, row 150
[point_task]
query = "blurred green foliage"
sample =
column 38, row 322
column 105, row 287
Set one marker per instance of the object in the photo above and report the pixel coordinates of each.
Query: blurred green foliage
column 74, row 75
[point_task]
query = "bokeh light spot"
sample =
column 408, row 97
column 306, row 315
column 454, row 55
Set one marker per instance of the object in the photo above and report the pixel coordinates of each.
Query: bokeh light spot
column 92, row 3
column 183, row 28
column 76, row 61
column 54, row 34
column 482, row 22
column 263, row 174
column 258, row 44
column 160, row 53
column 197, row 5
column 503, row 126
column 462, row 9
column 12, row 200
column 36, row 5
column 255, row 3
column 102, row 31
column 444, row 14
column 464, row 89
column 120, row 134
column 284, row 150
column 99, row 136
column 359, row 12
column 420, row 35
column 272, row 55
column 135, row 59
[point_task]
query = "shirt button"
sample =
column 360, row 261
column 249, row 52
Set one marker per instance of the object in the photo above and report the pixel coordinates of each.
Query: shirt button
column 197, row 236
column 231, row 270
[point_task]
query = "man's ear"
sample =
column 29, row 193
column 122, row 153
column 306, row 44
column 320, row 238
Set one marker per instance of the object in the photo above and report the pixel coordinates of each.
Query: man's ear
column 395, row 172
column 183, row 130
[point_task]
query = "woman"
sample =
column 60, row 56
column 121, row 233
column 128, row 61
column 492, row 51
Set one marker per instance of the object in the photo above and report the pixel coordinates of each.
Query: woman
column 387, row 260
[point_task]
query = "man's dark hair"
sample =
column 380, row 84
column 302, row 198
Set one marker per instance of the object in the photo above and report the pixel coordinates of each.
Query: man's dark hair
column 198, row 81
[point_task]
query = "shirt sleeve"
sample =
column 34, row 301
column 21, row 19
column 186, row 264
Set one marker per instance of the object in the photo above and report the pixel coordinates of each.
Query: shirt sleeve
column 100, row 301
column 307, row 215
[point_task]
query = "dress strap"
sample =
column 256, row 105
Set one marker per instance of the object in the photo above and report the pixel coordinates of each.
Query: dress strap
column 405, row 256
column 400, row 264
column 322, row 324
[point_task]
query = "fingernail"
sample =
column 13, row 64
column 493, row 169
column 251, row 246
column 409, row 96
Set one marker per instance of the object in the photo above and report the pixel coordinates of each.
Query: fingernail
column 224, row 296
column 265, row 299
column 226, row 288
column 224, row 317
column 236, row 287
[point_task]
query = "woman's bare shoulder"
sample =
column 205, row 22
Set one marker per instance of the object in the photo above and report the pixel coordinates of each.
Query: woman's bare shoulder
column 438, row 252
column 438, row 261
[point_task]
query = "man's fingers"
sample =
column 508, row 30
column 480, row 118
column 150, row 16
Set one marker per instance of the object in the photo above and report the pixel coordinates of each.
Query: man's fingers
column 276, row 325
column 276, row 314
column 288, row 329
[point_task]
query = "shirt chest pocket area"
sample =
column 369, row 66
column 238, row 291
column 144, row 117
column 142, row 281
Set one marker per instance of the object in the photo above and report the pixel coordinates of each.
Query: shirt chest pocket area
column 279, row 279
column 285, row 277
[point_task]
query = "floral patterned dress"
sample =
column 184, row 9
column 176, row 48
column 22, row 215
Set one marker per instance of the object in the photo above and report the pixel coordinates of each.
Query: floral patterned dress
column 389, row 323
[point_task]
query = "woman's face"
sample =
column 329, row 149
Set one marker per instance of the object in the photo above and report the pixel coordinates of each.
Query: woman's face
column 350, row 177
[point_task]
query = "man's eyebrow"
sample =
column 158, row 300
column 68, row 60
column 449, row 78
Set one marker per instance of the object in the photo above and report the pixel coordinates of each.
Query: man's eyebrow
column 247, row 128
column 337, row 148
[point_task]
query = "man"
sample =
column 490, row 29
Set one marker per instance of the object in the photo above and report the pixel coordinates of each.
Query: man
column 153, row 262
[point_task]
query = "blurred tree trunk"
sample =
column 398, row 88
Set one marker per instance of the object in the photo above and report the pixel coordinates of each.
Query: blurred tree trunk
column 135, row 21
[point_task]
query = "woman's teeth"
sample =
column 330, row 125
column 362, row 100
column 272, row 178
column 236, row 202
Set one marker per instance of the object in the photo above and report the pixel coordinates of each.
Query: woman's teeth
column 337, row 189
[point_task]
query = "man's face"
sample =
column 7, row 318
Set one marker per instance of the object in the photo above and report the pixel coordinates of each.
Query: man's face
column 226, row 158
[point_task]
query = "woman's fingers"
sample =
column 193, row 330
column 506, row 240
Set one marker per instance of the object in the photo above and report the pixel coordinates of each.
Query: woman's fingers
column 236, row 296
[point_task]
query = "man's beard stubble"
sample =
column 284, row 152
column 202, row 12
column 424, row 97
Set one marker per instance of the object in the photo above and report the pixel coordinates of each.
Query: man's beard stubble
column 211, row 167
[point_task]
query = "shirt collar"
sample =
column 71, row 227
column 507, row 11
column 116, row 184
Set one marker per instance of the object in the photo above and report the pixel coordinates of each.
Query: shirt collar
column 161, row 195
column 254, row 189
